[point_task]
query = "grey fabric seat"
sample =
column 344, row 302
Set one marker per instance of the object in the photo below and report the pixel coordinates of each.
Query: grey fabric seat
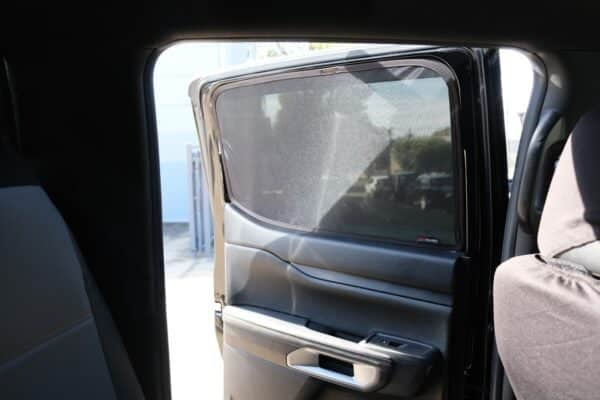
column 57, row 338
column 547, row 306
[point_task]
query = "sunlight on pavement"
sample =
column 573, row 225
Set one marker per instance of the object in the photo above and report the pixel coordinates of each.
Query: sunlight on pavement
column 196, row 365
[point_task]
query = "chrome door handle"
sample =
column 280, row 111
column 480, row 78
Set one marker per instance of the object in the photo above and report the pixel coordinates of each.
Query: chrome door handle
column 358, row 375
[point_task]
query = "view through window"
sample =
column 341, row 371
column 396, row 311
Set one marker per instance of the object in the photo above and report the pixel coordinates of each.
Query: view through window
column 517, row 84
column 363, row 152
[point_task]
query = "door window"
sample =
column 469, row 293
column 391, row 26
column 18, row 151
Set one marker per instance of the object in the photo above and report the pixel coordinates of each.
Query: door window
column 364, row 152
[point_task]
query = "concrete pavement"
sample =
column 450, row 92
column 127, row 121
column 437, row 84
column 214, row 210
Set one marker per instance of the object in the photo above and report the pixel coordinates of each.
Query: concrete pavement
column 196, row 365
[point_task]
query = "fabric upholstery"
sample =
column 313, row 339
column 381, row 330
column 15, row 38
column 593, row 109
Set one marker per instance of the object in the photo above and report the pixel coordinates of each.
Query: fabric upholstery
column 44, row 304
column 547, row 306
column 547, row 322
column 571, row 215
column 50, row 342
column 587, row 255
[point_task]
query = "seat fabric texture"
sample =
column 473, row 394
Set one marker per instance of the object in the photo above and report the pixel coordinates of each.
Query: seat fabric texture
column 547, row 305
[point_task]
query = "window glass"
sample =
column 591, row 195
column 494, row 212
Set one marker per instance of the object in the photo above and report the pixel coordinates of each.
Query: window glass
column 363, row 152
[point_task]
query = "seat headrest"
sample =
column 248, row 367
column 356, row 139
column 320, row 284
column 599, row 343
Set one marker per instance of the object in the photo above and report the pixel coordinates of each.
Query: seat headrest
column 571, row 215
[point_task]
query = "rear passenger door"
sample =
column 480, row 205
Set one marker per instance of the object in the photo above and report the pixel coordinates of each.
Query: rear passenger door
column 352, row 204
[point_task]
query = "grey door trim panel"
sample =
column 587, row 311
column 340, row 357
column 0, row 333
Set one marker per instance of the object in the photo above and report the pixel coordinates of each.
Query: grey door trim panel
column 428, row 269
column 377, row 286
column 293, row 344
column 354, row 310
column 340, row 278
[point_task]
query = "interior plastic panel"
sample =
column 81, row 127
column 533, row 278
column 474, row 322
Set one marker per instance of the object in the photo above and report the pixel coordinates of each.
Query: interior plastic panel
column 332, row 286
column 262, row 280
column 395, row 365
column 428, row 269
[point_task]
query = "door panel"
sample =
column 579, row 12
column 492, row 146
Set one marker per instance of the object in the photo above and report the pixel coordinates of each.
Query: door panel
column 262, row 278
column 345, row 307
column 426, row 270
column 332, row 297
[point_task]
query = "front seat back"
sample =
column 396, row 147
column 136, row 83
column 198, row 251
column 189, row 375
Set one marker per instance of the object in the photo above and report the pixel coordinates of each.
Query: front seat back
column 547, row 306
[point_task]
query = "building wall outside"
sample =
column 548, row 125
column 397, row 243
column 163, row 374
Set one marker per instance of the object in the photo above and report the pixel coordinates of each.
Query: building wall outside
column 175, row 69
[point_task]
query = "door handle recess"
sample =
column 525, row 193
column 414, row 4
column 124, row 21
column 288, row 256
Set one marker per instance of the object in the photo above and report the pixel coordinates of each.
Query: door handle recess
column 343, row 371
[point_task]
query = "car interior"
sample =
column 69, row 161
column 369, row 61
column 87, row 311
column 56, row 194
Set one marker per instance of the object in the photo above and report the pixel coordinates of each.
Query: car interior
column 322, row 290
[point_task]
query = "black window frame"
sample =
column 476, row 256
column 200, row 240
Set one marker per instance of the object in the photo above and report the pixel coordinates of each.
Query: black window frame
column 210, row 91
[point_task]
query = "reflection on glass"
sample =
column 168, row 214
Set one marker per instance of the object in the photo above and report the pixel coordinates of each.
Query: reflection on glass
column 366, row 153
